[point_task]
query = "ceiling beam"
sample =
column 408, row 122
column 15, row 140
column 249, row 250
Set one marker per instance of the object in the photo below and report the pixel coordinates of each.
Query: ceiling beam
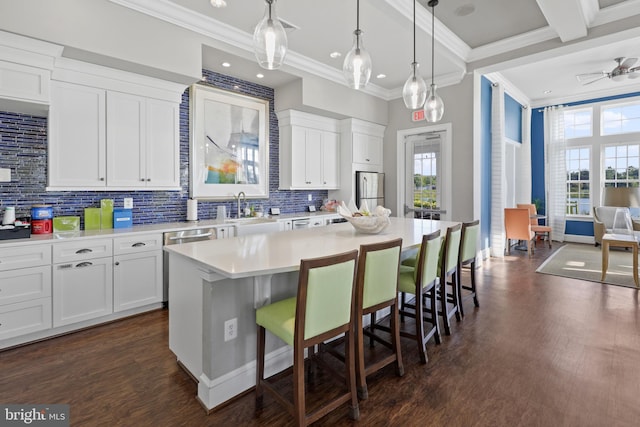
column 565, row 17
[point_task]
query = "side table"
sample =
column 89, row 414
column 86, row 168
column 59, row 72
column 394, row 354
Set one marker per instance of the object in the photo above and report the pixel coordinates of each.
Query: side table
column 619, row 241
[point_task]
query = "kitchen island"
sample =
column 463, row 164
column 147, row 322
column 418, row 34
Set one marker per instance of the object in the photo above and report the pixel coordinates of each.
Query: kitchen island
column 216, row 285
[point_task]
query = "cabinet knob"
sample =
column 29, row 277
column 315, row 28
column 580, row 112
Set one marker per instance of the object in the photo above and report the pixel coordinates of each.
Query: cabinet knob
column 102, row 179
column 142, row 179
column 367, row 160
column 117, row 263
column 148, row 179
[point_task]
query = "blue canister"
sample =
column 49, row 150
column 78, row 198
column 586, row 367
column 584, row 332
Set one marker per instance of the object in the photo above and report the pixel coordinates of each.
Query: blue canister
column 41, row 212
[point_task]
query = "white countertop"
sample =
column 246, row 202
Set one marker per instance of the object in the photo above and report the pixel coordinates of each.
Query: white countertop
column 147, row 228
column 262, row 254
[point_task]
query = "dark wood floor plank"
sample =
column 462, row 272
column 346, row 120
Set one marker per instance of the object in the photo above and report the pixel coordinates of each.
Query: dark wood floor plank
column 540, row 351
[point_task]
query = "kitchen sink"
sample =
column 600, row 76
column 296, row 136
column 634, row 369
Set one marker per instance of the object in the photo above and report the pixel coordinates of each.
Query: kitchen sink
column 249, row 221
column 246, row 226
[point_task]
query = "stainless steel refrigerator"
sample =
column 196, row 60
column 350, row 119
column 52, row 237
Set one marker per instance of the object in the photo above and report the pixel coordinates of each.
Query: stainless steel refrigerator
column 370, row 187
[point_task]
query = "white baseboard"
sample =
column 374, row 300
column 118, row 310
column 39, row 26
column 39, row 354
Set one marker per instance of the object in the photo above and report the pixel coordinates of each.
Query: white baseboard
column 574, row 238
column 213, row 393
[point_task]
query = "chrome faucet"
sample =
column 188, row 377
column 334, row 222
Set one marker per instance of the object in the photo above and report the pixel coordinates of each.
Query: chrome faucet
column 240, row 196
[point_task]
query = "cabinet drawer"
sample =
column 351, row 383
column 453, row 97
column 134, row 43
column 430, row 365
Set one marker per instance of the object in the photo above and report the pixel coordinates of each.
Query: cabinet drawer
column 25, row 317
column 144, row 243
column 25, row 284
column 81, row 250
column 12, row 257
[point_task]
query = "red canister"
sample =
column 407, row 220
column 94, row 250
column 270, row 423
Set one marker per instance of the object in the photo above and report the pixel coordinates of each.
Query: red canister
column 41, row 226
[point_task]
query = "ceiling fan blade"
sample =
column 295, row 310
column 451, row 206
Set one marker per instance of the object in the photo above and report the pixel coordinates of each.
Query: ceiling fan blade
column 587, row 77
column 627, row 63
column 594, row 80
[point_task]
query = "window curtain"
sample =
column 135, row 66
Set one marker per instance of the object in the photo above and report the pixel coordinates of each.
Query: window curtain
column 555, row 171
column 498, row 173
column 524, row 176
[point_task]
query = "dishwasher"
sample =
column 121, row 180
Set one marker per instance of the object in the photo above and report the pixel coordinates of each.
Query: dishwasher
column 175, row 238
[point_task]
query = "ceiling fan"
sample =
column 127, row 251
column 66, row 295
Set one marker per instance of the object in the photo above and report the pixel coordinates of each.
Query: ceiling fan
column 622, row 70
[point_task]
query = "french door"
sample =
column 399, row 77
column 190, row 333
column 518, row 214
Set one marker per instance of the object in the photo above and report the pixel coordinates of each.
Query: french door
column 426, row 170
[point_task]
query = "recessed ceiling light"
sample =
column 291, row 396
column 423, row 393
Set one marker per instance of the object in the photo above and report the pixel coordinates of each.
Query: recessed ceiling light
column 259, row 75
column 226, row 65
column 218, row 3
column 464, row 10
column 381, row 76
column 546, row 92
column 335, row 55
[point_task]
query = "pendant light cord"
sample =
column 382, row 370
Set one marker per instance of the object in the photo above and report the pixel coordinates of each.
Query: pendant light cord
column 414, row 31
column 433, row 37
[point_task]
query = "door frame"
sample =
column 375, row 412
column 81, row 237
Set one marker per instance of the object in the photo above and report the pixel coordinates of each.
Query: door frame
column 446, row 129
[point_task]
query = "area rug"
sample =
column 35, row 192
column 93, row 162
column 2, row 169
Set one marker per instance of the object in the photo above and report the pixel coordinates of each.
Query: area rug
column 584, row 262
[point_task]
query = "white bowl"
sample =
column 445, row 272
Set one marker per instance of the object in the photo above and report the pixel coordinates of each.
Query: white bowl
column 369, row 224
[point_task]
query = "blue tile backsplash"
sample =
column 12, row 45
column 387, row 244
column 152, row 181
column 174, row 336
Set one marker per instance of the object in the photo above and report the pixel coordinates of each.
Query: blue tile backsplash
column 23, row 149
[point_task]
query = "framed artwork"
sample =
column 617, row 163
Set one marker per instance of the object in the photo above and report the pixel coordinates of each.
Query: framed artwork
column 229, row 146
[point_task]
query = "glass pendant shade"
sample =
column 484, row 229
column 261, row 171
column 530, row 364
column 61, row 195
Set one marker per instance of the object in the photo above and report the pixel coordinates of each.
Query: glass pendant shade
column 433, row 107
column 270, row 39
column 357, row 63
column 414, row 91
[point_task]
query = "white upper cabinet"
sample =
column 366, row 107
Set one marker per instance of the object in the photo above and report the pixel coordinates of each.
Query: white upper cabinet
column 77, row 138
column 309, row 151
column 367, row 149
column 142, row 148
column 25, row 73
column 113, row 134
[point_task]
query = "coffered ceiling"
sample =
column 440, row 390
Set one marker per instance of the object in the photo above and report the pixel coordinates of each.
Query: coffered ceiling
column 536, row 45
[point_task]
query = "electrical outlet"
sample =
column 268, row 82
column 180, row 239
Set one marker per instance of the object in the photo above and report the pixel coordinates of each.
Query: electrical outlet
column 231, row 329
column 309, row 197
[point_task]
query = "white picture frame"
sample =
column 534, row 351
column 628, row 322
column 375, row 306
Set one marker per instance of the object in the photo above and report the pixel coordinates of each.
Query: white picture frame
column 229, row 144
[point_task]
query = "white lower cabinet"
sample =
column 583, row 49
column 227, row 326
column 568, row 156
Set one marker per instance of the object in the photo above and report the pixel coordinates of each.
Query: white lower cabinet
column 137, row 280
column 82, row 290
column 25, row 290
column 24, row 317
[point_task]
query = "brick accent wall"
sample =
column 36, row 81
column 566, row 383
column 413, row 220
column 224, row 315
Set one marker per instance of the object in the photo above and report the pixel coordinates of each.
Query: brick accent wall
column 23, row 149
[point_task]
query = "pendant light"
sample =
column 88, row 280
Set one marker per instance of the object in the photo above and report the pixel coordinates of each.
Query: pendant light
column 414, row 91
column 270, row 39
column 357, row 63
column 433, row 107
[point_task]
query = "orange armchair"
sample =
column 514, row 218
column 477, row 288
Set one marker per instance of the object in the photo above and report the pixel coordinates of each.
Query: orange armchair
column 517, row 226
column 539, row 230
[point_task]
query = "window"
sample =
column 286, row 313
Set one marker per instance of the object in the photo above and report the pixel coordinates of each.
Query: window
column 621, row 163
column 620, row 118
column 578, row 181
column 577, row 123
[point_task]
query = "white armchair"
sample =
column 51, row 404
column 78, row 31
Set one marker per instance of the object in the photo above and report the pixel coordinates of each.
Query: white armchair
column 603, row 219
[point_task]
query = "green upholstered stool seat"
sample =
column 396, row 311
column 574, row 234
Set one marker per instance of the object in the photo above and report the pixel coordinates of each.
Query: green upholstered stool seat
column 279, row 318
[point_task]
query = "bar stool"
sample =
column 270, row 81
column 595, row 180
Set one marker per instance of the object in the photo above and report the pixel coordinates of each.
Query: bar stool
column 468, row 248
column 422, row 281
column 450, row 302
column 321, row 310
column 377, row 288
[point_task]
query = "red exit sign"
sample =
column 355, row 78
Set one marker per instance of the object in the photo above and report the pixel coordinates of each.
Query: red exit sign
column 418, row 115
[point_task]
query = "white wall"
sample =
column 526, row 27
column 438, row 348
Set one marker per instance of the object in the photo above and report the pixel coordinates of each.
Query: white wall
column 458, row 110
column 107, row 34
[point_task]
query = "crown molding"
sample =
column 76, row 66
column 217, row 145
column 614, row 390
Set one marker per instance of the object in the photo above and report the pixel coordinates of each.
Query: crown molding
column 544, row 102
column 509, row 88
column 616, row 12
column 294, row 62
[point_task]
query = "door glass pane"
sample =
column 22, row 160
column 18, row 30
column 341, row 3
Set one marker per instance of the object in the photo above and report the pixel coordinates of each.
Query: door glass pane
column 425, row 191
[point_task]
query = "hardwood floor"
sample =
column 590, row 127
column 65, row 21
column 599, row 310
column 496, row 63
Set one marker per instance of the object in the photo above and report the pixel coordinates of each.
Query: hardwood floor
column 540, row 351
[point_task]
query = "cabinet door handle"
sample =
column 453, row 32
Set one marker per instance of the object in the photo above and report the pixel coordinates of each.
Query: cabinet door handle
column 137, row 245
column 84, row 251
column 367, row 160
column 84, row 264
